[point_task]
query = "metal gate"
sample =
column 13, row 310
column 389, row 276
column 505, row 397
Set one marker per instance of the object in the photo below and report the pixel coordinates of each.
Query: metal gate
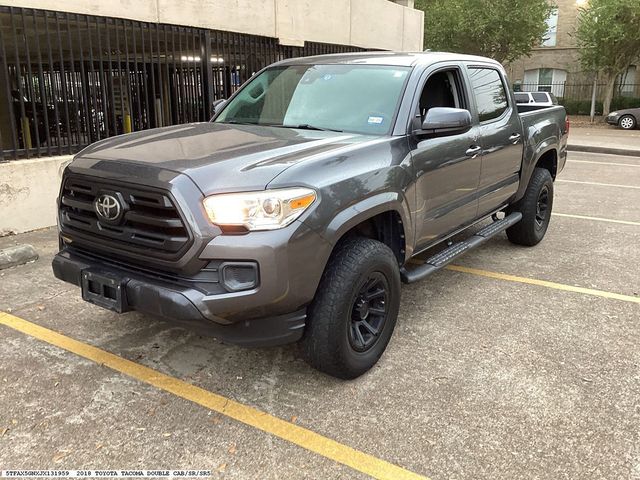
column 67, row 80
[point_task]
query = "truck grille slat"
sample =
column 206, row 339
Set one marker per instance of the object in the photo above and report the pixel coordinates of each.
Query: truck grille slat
column 151, row 223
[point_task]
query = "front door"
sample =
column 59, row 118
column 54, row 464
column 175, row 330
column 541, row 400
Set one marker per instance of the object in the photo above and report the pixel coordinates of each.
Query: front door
column 447, row 169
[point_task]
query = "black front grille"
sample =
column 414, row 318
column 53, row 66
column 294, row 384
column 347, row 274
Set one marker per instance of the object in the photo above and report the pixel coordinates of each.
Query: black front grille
column 151, row 224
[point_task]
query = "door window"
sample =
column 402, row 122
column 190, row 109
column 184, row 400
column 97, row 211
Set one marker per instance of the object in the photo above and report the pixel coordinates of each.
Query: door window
column 489, row 91
column 442, row 89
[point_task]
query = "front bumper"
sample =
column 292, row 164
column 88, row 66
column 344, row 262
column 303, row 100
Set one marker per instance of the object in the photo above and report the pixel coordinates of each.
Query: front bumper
column 613, row 119
column 181, row 304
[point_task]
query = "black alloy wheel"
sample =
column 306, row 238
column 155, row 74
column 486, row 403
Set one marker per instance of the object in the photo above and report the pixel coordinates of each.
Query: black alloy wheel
column 369, row 312
column 542, row 207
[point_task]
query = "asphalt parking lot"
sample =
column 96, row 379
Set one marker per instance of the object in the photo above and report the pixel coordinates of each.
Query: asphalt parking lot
column 517, row 363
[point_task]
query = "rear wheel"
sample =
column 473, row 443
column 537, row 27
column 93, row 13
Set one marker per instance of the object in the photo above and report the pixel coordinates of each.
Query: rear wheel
column 353, row 315
column 627, row 122
column 535, row 206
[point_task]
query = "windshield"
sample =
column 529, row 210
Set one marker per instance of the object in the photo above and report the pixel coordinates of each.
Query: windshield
column 351, row 98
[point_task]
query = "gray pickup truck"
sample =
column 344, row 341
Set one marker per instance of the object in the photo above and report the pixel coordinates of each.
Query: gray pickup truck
column 292, row 215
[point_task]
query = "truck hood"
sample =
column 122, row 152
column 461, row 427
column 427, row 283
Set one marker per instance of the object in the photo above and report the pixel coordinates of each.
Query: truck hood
column 220, row 157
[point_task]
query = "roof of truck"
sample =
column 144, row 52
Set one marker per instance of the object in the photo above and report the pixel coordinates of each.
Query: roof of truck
column 407, row 59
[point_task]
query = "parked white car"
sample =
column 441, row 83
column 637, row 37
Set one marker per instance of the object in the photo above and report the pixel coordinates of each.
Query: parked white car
column 537, row 98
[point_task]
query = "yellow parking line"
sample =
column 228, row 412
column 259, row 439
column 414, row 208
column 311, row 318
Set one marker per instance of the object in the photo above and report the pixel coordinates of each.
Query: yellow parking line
column 300, row 436
column 606, row 163
column 544, row 283
column 598, row 184
column 595, row 219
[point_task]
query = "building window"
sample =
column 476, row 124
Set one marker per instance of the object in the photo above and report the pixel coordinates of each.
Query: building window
column 549, row 39
column 545, row 80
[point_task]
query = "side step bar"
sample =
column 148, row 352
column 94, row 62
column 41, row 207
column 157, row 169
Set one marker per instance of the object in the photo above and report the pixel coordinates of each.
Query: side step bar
column 449, row 254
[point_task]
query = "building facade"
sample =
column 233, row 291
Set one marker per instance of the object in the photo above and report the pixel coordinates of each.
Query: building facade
column 554, row 66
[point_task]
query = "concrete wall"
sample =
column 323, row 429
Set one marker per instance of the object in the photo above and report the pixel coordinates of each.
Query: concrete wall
column 28, row 192
column 363, row 23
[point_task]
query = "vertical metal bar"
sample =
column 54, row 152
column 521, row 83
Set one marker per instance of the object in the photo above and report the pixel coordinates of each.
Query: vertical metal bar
column 174, row 89
column 160, row 87
column 92, row 77
column 74, row 82
column 128, row 72
column 84, row 88
column 137, row 74
column 122, row 106
column 112, row 102
column 153, row 79
column 186, row 110
column 192, row 86
column 226, row 67
column 43, row 93
column 23, row 114
column 167, row 77
column 207, row 72
column 103, row 81
column 9, row 98
column 144, row 79
column 196, row 80
column 65, row 96
column 32, row 94
column 216, row 72
column 54, row 86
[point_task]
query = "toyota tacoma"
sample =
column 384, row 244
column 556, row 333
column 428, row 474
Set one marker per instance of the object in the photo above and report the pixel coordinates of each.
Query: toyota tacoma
column 292, row 215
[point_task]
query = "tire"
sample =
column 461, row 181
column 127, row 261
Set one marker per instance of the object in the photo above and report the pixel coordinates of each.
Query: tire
column 627, row 122
column 358, row 268
column 535, row 206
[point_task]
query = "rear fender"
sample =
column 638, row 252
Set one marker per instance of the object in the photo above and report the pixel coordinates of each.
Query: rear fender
column 548, row 145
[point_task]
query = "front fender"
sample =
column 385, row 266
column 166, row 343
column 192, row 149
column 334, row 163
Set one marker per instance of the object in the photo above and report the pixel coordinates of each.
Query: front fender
column 367, row 208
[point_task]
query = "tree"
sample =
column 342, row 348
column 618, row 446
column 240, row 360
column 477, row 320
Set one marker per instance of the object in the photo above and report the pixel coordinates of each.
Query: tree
column 501, row 29
column 608, row 35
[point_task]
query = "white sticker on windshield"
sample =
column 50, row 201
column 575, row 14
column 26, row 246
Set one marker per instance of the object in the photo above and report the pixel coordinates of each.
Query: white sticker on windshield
column 375, row 120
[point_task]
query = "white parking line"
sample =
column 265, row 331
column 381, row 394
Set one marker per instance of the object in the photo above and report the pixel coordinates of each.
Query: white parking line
column 598, row 184
column 597, row 219
column 605, row 163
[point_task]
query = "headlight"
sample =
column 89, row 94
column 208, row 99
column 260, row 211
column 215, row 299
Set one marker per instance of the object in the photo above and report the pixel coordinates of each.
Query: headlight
column 614, row 114
column 266, row 210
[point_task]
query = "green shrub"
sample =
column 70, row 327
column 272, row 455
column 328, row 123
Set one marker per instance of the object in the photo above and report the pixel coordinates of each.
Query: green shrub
column 579, row 107
column 621, row 103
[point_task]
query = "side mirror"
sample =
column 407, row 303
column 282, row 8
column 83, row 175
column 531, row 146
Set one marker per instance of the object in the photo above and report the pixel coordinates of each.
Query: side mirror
column 440, row 121
column 217, row 106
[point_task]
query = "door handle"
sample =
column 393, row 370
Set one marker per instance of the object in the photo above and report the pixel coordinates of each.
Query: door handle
column 473, row 151
column 515, row 138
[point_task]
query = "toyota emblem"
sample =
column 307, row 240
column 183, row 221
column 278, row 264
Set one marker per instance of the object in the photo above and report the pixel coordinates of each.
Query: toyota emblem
column 108, row 207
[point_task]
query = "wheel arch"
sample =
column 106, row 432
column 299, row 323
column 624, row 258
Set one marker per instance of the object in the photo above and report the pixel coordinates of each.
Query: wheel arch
column 384, row 217
column 545, row 156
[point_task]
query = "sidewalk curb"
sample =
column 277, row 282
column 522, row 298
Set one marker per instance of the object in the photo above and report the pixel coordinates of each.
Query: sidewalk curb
column 611, row 151
column 17, row 255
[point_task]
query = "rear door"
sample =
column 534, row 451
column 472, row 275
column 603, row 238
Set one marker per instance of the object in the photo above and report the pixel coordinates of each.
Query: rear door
column 500, row 133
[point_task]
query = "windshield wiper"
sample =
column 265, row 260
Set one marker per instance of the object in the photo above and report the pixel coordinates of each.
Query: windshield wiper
column 236, row 122
column 306, row 126
column 303, row 126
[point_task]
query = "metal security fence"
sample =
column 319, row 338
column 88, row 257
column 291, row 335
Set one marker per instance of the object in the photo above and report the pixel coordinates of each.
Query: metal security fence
column 67, row 80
